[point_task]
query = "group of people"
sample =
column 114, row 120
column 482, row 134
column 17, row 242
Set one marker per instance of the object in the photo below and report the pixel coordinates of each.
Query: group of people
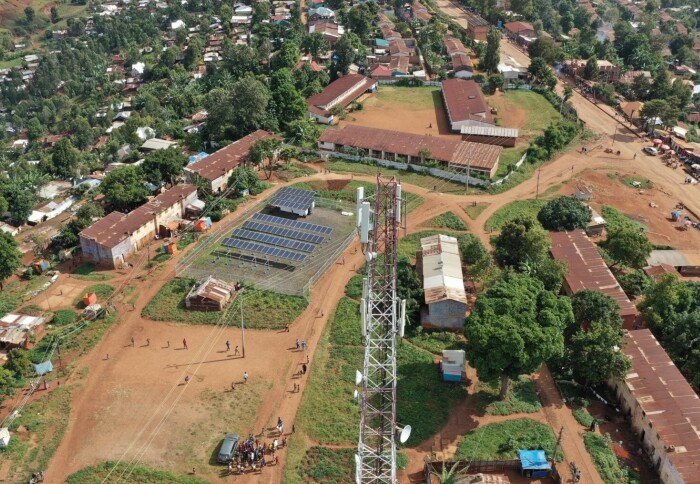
column 251, row 453
column 302, row 344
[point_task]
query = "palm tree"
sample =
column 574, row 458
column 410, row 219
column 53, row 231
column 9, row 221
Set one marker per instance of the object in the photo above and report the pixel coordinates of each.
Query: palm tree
column 452, row 474
column 424, row 153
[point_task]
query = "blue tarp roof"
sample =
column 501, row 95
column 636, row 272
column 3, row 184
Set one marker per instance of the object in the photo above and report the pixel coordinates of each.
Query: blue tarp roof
column 533, row 459
column 381, row 43
column 43, row 368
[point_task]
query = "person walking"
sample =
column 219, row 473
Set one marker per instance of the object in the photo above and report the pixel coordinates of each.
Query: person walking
column 233, row 385
column 133, row 341
column 148, row 341
column 168, row 344
column 297, row 343
column 303, row 368
column 184, row 343
column 303, row 345
column 235, row 351
column 245, row 377
column 187, row 379
column 228, row 346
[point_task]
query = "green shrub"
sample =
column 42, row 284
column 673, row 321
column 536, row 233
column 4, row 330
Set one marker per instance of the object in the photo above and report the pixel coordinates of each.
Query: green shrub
column 448, row 220
column 140, row 473
column 354, row 288
column 583, row 417
column 606, row 462
column 63, row 317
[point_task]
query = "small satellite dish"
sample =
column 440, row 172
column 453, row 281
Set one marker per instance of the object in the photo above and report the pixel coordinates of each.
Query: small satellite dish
column 368, row 256
column 355, row 395
column 358, row 377
column 405, row 434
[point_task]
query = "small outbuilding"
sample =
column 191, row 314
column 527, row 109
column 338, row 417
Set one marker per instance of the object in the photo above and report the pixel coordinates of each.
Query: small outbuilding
column 4, row 437
column 583, row 193
column 533, row 463
column 89, row 298
column 453, row 366
column 210, row 294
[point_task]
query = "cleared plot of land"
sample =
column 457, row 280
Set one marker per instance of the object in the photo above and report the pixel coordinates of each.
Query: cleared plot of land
column 409, row 109
column 525, row 110
column 261, row 309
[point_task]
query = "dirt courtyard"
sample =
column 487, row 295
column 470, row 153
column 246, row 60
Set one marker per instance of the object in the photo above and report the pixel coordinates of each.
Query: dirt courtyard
column 412, row 110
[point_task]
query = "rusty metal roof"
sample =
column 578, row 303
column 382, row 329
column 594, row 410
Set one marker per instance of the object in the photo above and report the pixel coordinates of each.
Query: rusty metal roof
column 464, row 100
column 668, row 400
column 587, row 269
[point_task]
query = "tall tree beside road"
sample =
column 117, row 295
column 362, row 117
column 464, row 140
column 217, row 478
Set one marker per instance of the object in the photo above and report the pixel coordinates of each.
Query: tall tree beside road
column 628, row 246
column 514, row 327
column 591, row 71
column 521, row 240
column 164, row 166
column 10, row 257
column 546, row 48
column 492, row 53
column 123, row 188
column 564, row 213
column 595, row 353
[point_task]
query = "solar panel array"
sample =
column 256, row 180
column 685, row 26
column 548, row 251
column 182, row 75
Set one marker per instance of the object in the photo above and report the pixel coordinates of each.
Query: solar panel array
column 321, row 229
column 264, row 249
column 283, row 232
column 293, row 198
column 273, row 240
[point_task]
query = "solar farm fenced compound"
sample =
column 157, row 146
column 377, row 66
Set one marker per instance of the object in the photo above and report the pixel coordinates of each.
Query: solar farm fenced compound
column 284, row 232
column 294, row 198
column 264, row 249
column 273, row 240
column 292, row 223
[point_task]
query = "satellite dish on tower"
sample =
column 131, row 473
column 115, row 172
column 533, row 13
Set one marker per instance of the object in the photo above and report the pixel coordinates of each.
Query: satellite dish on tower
column 355, row 395
column 405, row 434
column 358, row 377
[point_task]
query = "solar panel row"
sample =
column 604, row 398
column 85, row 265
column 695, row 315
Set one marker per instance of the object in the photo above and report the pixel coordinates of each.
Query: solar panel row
column 273, row 240
column 296, row 192
column 263, row 249
column 283, row 232
column 292, row 223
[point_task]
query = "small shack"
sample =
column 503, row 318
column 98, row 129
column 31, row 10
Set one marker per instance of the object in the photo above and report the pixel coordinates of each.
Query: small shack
column 210, row 294
column 453, row 366
column 4, row 437
column 597, row 224
column 533, row 463
column 89, row 298
column 583, row 193
column 294, row 200
column 439, row 265
column 16, row 330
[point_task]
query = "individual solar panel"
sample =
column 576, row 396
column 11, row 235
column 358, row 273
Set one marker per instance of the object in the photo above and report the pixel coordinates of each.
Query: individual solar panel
column 263, row 217
column 263, row 249
column 283, row 232
column 274, row 240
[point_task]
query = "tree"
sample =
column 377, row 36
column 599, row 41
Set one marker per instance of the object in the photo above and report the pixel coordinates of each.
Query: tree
column 514, row 327
column 451, row 475
column 492, row 53
column 628, row 246
column 29, row 14
column 347, row 49
column 123, row 188
column 18, row 362
column 287, row 57
column 315, row 45
column 20, row 202
column 35, row 130
column 164, row 166
column 64, row 159
column 591, row 70
column 595, row 354
column 264, row 152
column 564, row 213
column 239, row 59
column 424, row 154
column 593, row 306
column 7, row 382
column 546, row 48
column 410, row 288
column 239, row 111
column 653, row 109
column 290, row 104
column 661, row 85
column 635, row 283
column 520, row 240
column 10, row 257
column 539, row 69
column 193, row 52
column 549, row 271
column 303, row 131
column 495, row 82
column 54, row 15
column 359, row 20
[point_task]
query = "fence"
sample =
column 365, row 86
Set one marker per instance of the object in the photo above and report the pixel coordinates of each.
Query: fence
column 330, row 260
column 436, row 172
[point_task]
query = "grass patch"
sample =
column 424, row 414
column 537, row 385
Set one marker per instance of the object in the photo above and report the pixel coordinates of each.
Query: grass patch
column 417, row 97
column 141, row 474
column 86, row 272
column 448, row 220
column 522, row 397
column 513, row 210
column 617, row 220
column 102, row 291
column 502, row 440
column 475, row 209
column 437, row 341
column 606, row 462
column 540, row 113
column 644, row 183
column 46, row 420
column 261, row 309
column 410, row 177
column 583, row 417
column 14, row 293
column 354, row 288
column 290, row 171
column 329, row 465
column 509, row 157
column 63, row 317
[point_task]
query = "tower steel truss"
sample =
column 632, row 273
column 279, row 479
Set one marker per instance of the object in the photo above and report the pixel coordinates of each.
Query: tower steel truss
column 376, row 460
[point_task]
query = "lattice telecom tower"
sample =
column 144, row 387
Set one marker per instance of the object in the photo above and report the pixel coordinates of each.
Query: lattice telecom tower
column 381, row 321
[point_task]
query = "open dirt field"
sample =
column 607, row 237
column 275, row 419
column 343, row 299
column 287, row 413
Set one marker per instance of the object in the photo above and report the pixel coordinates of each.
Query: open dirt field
column 412, row 110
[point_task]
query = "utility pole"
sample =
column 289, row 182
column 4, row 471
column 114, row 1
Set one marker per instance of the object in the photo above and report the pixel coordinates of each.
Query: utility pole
column 537, row 193
column 556, row 446
column 242, row 330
